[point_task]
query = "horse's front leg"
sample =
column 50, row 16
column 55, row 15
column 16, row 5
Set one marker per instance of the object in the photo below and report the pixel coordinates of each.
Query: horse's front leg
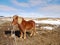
column 25, row 34
column 21, row 35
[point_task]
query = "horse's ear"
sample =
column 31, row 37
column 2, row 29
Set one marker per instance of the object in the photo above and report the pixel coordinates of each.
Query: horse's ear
column 16, row 17
column 20, row 20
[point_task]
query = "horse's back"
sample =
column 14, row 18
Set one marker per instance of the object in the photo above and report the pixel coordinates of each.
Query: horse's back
column 29, row 24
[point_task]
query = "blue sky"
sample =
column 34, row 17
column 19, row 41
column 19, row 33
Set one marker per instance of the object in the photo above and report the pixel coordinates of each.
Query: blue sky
column 30, row 8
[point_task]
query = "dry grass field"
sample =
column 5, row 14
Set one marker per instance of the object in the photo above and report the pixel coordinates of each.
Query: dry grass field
column 44, row 37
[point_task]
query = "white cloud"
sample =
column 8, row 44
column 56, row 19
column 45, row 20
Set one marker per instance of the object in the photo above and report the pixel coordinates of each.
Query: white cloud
column 7, row 8
column 39, row 2
column 31, row 14
column 11, row 9
column 20, row 3
column 50, row 11
column 51, row 8
column 35, row 2
column 31, row 3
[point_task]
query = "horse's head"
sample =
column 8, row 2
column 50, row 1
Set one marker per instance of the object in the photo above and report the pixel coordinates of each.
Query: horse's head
column 17, row 19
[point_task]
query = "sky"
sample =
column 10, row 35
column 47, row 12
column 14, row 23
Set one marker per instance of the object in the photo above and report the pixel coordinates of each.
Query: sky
column 30, row 8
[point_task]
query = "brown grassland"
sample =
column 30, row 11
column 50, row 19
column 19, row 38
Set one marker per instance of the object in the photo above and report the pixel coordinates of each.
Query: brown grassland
column 44, row 37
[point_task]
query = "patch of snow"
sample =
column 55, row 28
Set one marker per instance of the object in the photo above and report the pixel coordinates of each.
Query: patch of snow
column 49, row 19
column 37, row 25
column 53, row 22
column 47, row 27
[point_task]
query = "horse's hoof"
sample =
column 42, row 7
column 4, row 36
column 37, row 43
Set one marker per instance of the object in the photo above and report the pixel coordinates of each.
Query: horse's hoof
column 30, row 35
column 24, row 37
column 20, row 37
column 37, row 32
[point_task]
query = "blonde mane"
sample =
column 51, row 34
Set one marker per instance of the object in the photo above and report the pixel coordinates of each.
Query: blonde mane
column 19, row 20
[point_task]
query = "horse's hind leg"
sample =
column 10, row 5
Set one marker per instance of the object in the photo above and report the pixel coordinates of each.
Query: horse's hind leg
column 34, row 30
column 34, row 33
column 31, row 33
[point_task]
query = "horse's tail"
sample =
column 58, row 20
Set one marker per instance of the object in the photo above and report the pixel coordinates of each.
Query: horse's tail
column 34, row 28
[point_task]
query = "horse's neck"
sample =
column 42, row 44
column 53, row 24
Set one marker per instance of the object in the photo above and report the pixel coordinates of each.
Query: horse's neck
column 14, row 22
column 23, row 20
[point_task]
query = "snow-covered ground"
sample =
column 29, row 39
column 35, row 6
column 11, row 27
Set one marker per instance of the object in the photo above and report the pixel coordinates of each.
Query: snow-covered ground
column 47, row 28
column 53, row 22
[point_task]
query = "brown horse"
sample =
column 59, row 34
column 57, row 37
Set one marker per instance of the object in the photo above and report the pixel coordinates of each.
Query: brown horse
column 24, row 25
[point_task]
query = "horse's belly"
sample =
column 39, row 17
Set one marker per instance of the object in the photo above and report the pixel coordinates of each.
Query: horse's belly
column 29, row 28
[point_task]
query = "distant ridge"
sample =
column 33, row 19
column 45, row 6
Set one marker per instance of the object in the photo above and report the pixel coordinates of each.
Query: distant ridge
column 1, row 16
